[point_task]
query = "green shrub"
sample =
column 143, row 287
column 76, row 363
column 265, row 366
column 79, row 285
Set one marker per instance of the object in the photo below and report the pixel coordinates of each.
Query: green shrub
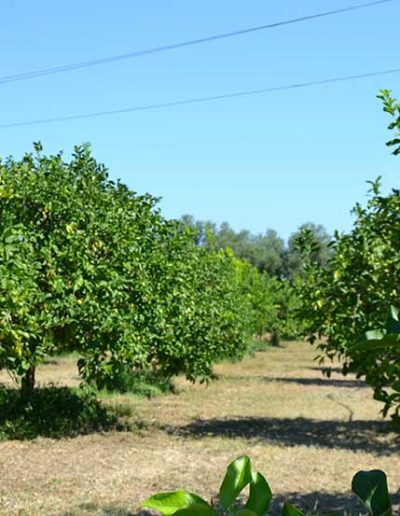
column 52, row 412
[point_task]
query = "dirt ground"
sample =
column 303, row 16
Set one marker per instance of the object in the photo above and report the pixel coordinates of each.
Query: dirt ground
column 308, row 435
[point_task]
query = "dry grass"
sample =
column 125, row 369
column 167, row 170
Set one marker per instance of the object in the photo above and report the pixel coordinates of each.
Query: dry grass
column 307, row 434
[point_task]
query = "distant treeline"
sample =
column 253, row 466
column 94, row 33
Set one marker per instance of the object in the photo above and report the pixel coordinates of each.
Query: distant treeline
column 266, row 251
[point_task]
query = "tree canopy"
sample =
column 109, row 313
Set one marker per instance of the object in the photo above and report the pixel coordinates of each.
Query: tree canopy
column 87, row 265
column 352, row 297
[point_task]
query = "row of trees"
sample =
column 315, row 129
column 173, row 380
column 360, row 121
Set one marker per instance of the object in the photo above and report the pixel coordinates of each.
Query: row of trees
column 268, row 252
column 87, row 265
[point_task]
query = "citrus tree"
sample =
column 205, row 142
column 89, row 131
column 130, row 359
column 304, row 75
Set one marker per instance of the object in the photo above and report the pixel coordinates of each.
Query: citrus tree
column 71, row 260
column 89, row 266
column 353, row 295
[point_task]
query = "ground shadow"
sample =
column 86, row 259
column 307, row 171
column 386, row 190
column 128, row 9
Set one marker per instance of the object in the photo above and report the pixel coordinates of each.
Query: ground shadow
column 368, row 436
column 324, row 382
column 53, row 412
column 86, row 509
column 337, row 370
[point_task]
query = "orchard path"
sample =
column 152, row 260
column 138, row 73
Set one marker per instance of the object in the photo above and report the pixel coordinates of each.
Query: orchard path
column 306, row 433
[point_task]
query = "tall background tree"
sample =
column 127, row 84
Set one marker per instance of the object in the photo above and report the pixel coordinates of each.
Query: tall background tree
column 320, row 254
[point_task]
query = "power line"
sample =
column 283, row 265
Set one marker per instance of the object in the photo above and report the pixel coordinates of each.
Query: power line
column 198, row 100
column 164, row 48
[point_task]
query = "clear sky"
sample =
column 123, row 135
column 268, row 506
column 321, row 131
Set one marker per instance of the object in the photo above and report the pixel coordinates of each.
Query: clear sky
column 272, row 160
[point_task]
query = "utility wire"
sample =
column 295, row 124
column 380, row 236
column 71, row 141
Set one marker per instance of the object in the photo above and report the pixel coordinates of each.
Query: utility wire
column 198, row 100
column 164, row 48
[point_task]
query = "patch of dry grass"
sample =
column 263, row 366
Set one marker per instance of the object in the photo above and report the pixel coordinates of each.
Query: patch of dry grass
column 307, row 434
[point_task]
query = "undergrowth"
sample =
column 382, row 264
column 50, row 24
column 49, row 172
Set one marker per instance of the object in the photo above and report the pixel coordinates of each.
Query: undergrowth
column 53, row 412
column 143, row 383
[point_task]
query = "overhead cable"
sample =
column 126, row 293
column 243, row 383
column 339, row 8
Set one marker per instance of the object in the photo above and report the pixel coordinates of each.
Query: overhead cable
column 198, row 100
column 174, row 46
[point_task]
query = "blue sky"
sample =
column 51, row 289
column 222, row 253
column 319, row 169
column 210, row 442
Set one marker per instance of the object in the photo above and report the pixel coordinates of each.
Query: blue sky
column 273, row 160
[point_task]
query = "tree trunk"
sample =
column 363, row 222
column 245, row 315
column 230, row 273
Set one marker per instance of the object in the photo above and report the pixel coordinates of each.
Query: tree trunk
column 275, row 338
column 28, row 382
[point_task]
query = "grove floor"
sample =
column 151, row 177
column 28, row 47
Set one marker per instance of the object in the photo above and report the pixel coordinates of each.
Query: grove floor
column 307, row 434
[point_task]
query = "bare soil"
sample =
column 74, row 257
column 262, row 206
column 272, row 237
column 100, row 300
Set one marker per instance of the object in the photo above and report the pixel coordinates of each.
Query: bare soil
column 308, row 434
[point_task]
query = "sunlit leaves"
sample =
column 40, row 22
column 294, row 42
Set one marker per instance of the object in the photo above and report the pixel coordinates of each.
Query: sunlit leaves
column 353, row 296
column 88, row 265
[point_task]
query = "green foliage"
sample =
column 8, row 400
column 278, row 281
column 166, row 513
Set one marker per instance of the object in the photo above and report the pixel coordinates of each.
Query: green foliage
column 142, row 383
column 171, row 503
column 264, row 251
column 267, row 252
column 321, row 252
column 273, row 291
column 377, row 355
column 391, row 106
column 71, row 264
column 238, row 475
column 52, row 412
column 286, row 323
column 352, row 296
column 370, row 487
column 260, row 494
column 87, row 265
column 272, row 298
column 290, row 510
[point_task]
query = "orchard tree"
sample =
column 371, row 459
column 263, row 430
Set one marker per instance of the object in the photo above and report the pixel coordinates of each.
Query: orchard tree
column 343, row 303
column 87, row 265
column 71, row 260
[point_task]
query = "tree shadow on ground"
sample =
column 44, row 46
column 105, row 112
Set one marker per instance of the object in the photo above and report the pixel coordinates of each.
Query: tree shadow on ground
column 86, row 509
column 324, row 382
column 53, row 412
column 337, row 370
column 368, row 436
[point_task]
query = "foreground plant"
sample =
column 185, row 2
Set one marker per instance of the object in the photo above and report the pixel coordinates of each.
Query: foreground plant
column 370, row 487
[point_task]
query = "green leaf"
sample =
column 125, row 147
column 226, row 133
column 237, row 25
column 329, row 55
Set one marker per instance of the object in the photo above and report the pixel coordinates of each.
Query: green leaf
column 247, row 512
column 377, row 344
column 171, row 502
column 196, row 510
column 290, row 510
column 373, row 335
column 238, row 475
column 392, row 321
column 371, row 488
column 260, row 494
